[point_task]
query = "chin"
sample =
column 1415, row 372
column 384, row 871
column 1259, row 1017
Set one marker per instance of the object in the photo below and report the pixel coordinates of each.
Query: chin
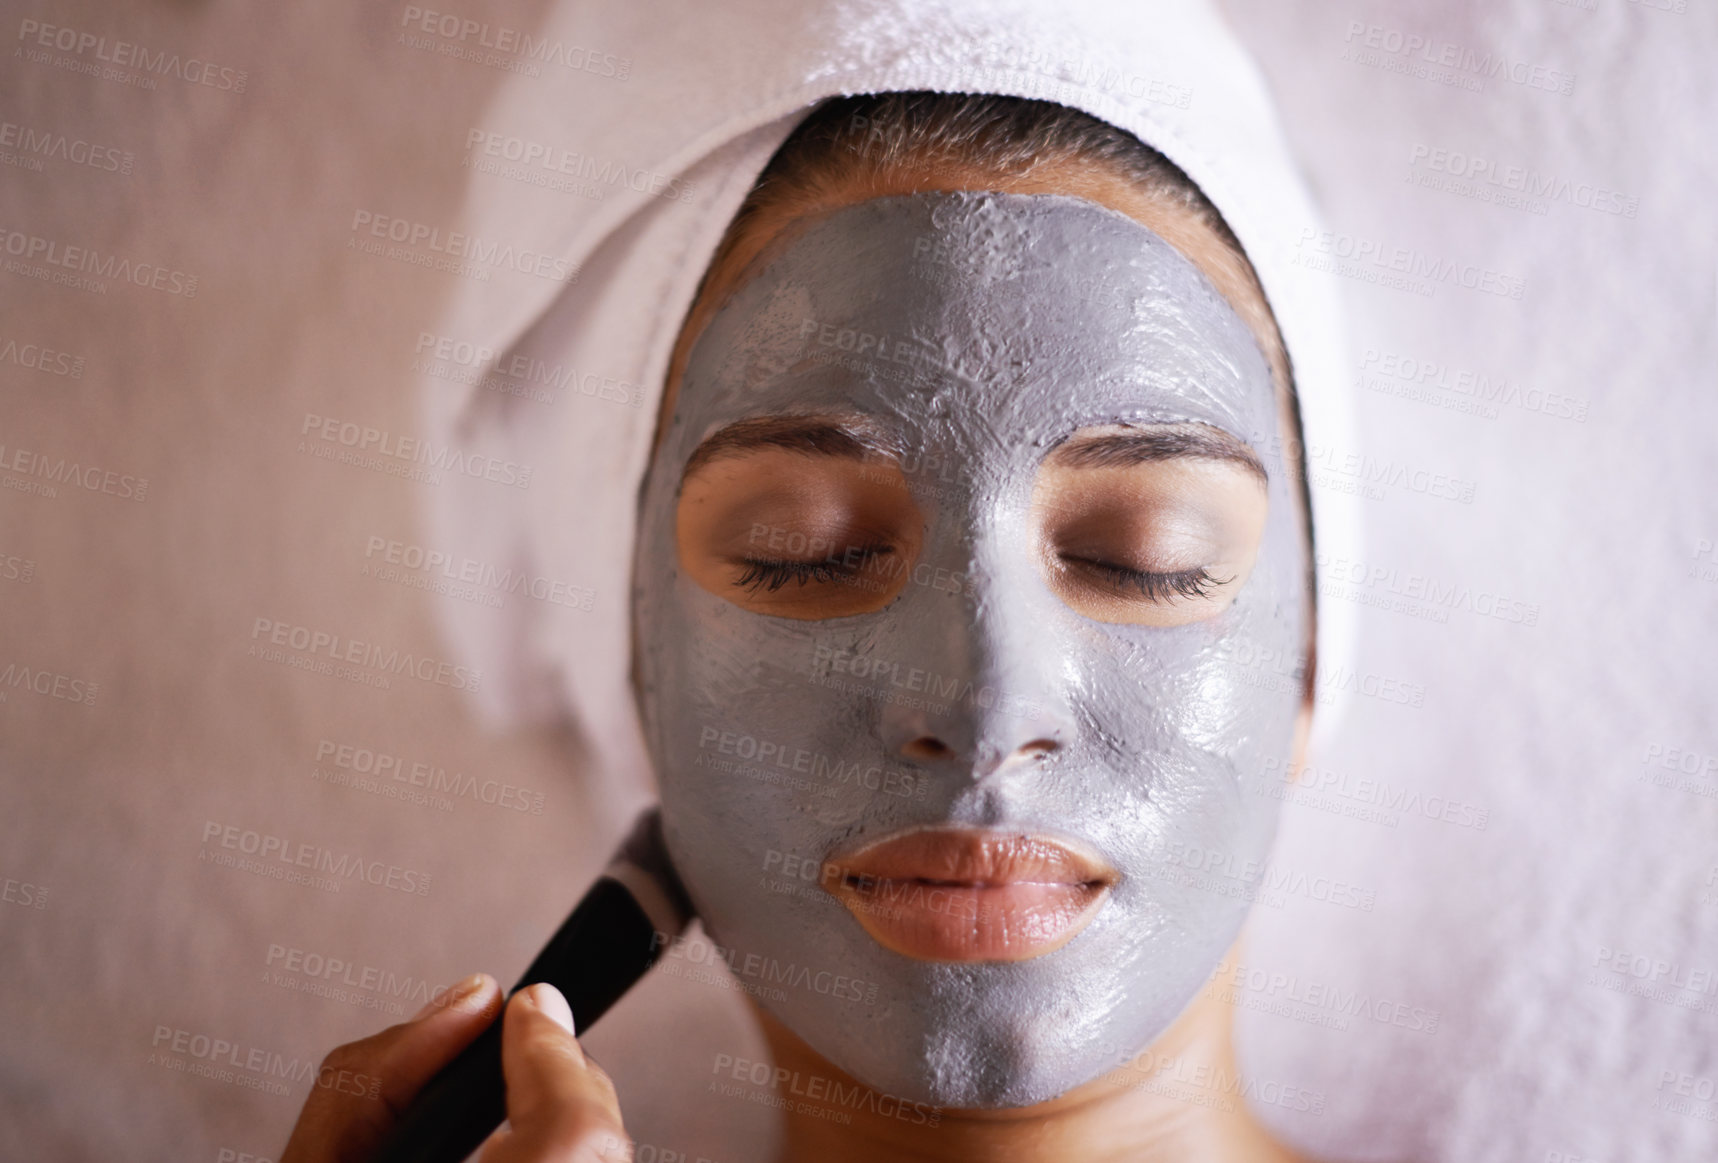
column 998, row 1036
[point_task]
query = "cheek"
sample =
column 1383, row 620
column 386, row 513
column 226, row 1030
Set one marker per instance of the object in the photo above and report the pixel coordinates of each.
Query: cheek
column 1188, row 718
column 753, row 729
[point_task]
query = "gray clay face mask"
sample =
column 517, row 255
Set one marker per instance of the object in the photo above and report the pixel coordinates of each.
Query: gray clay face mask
column 973, row 333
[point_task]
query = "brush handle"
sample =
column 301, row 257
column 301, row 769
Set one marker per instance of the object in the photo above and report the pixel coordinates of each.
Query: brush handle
column 600, row 951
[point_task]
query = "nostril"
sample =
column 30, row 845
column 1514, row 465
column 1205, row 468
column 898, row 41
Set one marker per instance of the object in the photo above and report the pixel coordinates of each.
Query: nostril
column 926, row 748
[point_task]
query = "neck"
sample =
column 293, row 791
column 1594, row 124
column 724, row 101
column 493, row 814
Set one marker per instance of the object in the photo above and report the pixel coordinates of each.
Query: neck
column 1178, row 1100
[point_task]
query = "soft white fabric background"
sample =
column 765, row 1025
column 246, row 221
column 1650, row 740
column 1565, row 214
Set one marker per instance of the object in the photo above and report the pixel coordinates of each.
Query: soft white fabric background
column 1540, row 1051
column 1596, row 523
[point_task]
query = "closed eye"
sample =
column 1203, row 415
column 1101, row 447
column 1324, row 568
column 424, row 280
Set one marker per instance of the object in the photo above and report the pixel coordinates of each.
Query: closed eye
column 806, row 533
column 766, row 574
column 1149, row 526
column 1153, row 586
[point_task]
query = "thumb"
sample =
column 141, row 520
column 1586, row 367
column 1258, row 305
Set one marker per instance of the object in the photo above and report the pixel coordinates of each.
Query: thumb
column 561, row 1106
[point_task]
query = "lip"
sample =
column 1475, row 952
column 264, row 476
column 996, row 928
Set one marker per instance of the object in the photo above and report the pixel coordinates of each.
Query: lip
column 960, row 894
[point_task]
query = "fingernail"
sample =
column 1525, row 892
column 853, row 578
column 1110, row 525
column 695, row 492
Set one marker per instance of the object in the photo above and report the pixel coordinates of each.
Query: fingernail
column 547, row 999
column 460, row 991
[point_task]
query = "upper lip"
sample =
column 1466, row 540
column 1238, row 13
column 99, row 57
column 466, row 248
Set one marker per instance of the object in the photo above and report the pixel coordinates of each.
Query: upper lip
column 975, row 857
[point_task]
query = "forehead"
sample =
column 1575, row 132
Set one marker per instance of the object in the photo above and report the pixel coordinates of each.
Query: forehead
column 973, row 320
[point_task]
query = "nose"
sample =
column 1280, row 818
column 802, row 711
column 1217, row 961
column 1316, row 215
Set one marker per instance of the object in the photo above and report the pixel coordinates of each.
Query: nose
column 988, row 666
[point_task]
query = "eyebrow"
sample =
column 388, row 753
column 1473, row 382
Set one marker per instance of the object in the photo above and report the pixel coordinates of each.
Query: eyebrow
column 1142, row 446
column 808, row 435
column 846, row 440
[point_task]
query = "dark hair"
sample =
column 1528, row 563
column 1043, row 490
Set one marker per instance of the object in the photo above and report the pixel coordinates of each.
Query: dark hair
column 848, row 138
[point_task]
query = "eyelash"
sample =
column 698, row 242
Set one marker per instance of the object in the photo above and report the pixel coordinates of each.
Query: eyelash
column 1155, row 587
column 763, row 573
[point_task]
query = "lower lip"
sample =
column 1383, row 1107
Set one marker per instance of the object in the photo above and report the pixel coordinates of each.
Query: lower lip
column 943, row 921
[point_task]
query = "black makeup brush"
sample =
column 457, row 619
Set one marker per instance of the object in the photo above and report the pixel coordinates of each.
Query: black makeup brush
column 611, row 939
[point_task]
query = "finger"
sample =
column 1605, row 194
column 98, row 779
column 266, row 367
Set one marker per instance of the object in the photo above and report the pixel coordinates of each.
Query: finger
column 434, row 1036
column 361, row 1087
column 560, row 1105
column 542, row 1060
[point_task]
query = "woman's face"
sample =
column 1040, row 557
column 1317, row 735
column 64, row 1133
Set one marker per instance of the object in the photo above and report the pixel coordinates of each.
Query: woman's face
column 970, row 606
